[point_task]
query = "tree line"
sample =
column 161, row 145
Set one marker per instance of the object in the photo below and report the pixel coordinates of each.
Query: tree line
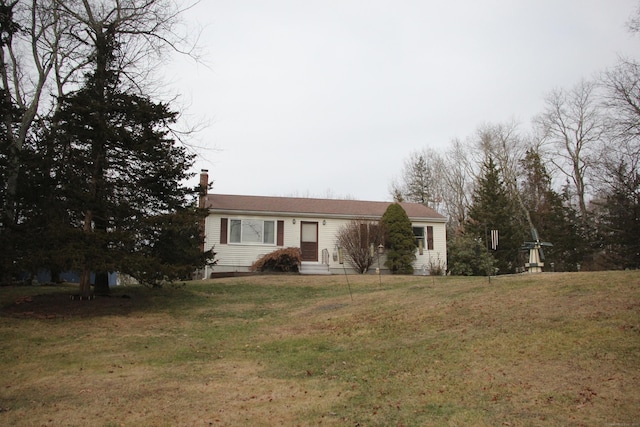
column 573, row 177
column 92, row 165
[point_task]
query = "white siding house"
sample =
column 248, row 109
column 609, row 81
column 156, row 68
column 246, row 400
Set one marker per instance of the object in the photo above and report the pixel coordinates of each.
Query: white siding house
column 242, row 229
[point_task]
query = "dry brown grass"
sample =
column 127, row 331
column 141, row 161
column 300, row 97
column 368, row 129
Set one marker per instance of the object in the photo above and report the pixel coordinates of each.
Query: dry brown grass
column 550, row 349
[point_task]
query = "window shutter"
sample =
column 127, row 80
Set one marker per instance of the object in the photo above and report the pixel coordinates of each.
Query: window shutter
column 223, row 230
column 280, row 233
column 430, row 237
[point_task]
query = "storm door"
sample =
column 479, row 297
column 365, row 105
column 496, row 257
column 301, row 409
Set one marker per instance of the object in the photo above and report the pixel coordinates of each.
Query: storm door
column 309, row 240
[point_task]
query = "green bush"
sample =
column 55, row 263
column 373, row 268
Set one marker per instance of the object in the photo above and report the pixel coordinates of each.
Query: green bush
column 469, row 257
column 282, row 260
column 400, row 240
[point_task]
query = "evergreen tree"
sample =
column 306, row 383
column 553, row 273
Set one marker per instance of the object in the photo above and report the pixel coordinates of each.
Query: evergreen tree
column 9, row 159
column 400, row 242
column 40, row 233
column 493, row 209
column 39, row 221
column 421, row 179
column 166, row 249
column 10, row 120
column 620, row 219
column 119, row 176
column 555, row 222
column 418, row 181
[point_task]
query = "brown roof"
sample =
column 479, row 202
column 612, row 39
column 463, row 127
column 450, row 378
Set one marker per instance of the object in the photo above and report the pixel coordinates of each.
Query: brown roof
column 326, row 207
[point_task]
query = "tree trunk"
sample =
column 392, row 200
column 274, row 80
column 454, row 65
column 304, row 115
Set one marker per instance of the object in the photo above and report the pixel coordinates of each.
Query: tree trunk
column 85, row 283
column 103, row 50
column 85, row 275
column 101, row 285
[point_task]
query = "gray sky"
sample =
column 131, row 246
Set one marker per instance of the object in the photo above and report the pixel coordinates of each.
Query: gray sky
column 328, row 98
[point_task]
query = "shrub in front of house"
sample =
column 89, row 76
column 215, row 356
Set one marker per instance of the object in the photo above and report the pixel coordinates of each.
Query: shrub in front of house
column 360, row 239
column 285, row 260
column 400, row 240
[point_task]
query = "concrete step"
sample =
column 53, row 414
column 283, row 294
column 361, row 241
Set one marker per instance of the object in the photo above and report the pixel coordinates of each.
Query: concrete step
column 314, row 268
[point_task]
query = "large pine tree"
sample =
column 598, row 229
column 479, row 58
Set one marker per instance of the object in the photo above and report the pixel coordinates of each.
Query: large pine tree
column 118, row 169
column 555, row 222
column 493, row 209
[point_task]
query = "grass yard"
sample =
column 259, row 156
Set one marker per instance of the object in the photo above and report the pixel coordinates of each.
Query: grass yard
column 526, row 350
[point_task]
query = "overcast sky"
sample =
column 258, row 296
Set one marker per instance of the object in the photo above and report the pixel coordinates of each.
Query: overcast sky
column 328, row 98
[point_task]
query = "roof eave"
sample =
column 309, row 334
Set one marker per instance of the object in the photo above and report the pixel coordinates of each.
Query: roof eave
column 316, row 215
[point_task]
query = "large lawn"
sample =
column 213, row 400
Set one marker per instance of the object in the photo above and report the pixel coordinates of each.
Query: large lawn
column 546, row 349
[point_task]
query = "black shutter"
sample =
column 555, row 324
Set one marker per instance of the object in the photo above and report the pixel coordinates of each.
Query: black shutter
column 223, row 230
column 280, row 233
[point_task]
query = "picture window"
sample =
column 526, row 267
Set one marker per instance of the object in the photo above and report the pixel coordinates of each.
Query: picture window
column 252, row 231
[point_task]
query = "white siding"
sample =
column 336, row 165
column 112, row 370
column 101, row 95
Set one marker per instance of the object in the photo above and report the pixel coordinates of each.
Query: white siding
column 438, row 255
column 234, row 256
column 239, row 257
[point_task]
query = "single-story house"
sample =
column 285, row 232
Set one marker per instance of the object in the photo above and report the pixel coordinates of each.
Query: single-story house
column 241, row 229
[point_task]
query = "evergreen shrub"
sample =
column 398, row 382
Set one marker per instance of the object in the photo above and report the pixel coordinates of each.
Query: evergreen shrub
column 400, row 241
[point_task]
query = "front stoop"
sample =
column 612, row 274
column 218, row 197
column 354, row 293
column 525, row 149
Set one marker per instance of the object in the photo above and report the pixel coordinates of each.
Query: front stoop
column 314, row 268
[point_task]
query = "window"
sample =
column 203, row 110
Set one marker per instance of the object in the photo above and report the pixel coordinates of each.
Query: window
column 418, row 234
column 252, row 231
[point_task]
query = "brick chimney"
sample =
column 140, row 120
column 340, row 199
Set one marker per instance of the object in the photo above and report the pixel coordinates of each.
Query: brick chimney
column 204, row 187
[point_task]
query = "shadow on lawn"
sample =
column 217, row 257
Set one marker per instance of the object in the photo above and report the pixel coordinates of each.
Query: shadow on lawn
column 59, row 304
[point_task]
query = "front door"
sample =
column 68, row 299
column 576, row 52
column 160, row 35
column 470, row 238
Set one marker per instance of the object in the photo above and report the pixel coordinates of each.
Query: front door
column 309, row 241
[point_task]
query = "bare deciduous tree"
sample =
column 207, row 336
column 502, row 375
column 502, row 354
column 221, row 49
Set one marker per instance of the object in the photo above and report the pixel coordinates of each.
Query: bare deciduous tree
column 622, row 103
column 30, row 35
column 44, row 37
column 144, row 30
column 574, row 125
column 359, row 240
column 457, row 184
column 504, row 144
column 634, row 22
column 420, row 180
